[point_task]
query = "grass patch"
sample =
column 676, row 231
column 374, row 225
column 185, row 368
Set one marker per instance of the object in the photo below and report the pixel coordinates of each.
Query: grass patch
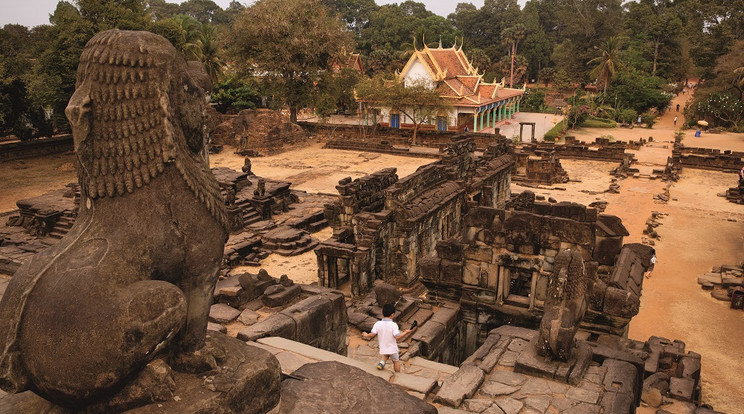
column 594, row 122
column 551, row 135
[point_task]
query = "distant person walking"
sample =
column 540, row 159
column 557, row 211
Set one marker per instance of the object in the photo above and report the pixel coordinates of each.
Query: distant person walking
column 387, row 336
column 651, row 264
column 741, row 177
column 675, row 120
column 677, row 107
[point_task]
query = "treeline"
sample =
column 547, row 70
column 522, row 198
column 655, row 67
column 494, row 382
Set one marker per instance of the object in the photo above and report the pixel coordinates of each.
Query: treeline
column 38, row 65
column 632, row 52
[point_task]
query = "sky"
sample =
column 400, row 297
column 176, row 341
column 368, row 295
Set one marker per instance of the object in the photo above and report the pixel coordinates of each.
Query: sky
column 36, row 12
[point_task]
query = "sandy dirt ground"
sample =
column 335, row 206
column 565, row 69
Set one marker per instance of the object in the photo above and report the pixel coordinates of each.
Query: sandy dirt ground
column 700, row 230
column 33, row 177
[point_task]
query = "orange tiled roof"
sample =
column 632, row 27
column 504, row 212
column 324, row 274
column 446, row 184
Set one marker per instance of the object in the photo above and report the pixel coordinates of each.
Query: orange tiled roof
column 457, row 80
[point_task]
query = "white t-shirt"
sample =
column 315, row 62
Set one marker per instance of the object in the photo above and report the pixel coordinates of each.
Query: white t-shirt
column 386, row 331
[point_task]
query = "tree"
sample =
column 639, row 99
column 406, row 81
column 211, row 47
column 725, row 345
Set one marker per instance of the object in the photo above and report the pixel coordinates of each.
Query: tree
column 292, row 42
column 355, row 13
column 418, row 101
column 512, row 36
column 607, row 63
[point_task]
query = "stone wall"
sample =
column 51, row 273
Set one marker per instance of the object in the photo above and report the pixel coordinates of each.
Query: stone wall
column 498, row 269
column 384, row 138
column 373, row 241
column 708, row 158
column 35, row 147
column 319, row 320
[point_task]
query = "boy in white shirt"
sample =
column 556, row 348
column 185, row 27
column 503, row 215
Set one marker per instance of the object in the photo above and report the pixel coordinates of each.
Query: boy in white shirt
column 387, row 335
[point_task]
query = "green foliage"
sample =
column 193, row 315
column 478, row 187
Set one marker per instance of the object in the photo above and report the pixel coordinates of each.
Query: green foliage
column 721, row 109
column 395, row 28
column 553, row 133
column 648, row 119
column 234, row 95
column 594, row 122
column 418, row 101
column 637, row 90
column 534, row 101
column 626, row 116
column 335, row 92
column 293, row 42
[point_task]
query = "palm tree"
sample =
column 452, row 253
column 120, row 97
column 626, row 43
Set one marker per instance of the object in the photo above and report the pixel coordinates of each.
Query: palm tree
column 210, row 53
column 607, row 63
column 511, row 36
column 190, row 41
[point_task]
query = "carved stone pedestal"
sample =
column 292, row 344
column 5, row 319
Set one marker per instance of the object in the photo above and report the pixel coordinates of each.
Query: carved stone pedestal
column 570, row 372
column 246, row 380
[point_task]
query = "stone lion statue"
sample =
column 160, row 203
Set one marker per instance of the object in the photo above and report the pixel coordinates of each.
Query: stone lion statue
column 565, row 305
column 135, row 274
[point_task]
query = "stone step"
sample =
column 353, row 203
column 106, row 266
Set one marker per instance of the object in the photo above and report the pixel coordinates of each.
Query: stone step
column 56, row 234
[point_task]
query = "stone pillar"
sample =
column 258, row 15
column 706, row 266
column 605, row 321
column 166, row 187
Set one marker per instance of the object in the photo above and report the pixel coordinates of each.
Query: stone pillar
column 518, row 102
column 493, row 122
column 481, row 120
column 475, row 121
column 499, row 110
column 488, row 118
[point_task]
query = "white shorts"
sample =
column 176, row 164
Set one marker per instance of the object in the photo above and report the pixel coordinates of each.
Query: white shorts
column 394, row 357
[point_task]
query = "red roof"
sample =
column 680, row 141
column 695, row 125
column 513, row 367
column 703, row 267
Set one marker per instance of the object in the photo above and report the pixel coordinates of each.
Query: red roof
column 457, row 80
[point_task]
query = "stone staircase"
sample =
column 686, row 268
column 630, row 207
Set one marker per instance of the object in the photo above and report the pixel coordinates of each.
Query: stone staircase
column 250, row 215
column 62, row 225
column 288, row 241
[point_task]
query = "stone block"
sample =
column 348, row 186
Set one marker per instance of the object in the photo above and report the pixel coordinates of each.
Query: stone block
column 460, row 385
column 530, row 363
column 429, row 268
column 616, row 403
column 682, row 388
column 275, row 325
column 429, row 335
column 621, row 303
column 386, row 294
column 494, row 389
column 515, row 332
column 280, row 295
column 221, row 313
column 491, row 276
column 583, row 394
column 333, row 387
column 451, row 272
column 509, row 405
column 449, row 250
column 248, row 317
column 215, row 327
column 508, row 377
column 689, row 367
column 471, row 273
column 621, row 377
column 415, row 383
column 478, row 253
column 312, row 317
column 476, row 405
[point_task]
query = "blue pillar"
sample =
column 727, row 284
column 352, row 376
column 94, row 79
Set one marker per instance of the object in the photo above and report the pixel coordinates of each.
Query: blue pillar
column 475, row 121
column 488, row 118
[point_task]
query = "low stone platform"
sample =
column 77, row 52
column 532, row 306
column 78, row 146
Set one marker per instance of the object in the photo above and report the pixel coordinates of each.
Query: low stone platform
column 488, row 378
column 722, row 280
column 288, row 241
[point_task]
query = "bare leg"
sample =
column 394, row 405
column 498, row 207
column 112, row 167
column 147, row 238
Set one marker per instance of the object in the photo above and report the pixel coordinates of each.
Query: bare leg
column 396, row 366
